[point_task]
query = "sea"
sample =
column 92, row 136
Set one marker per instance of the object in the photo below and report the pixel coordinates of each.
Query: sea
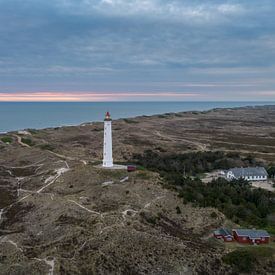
column 37, row 115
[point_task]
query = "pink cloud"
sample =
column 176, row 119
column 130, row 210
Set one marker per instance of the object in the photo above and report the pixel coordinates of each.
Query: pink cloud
column 91, row 96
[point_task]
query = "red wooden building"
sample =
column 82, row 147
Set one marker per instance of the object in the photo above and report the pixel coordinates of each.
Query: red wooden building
column 223, row 234
column 131, row 168
column 251, row 236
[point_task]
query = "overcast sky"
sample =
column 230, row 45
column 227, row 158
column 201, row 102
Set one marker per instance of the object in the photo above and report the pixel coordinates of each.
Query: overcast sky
column 137, row 50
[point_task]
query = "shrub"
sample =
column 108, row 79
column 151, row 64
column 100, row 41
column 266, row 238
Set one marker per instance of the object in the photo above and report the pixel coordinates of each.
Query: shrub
column 6, row 139
column 271, row 171
column 32, row 131
column 235, row 199
column 213, row 215
column 143, row 175
column 27, row 141
column 240, row 260
column 47, row 147
column 130, row 121
column 178, row 210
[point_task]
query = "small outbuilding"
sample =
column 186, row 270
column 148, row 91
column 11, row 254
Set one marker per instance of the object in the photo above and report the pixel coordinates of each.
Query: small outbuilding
column 251, row 236
column 223, row 234
column 248, row 173
column 131, row 168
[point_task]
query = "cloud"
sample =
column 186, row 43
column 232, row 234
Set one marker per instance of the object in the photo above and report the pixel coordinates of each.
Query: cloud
column 173, row 10
column 99, row 44
column 93, row 96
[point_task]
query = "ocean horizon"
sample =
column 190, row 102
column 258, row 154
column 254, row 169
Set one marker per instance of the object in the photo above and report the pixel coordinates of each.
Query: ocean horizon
column 38, row 115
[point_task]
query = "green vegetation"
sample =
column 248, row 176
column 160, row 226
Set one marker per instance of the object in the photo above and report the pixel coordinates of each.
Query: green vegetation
column 214, row 215
column 130, row 121
column 143, row 175
column 240, row 260
column 270, row 229
column 97, row 129
column 245, row 259
column 160, row 149
column 6, row 139
column 28, row 141
column 192, row 164
column 271, row 171
column 236, row 199
column 150, row 218
column 33, row 131
column 178, row 210
column 46, row 146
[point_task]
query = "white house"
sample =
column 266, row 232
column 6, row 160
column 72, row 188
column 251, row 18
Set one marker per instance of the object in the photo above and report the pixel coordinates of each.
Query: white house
column 249, row 173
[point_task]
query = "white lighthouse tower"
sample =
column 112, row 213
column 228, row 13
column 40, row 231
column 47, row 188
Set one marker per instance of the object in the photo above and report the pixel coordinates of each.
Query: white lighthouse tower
column 107, row 147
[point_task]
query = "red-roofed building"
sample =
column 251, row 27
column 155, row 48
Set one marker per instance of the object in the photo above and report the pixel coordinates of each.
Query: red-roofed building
column 251, row 236
column 223, row 234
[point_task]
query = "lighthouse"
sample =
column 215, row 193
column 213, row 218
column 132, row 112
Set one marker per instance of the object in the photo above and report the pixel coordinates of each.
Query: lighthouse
column 107, row 146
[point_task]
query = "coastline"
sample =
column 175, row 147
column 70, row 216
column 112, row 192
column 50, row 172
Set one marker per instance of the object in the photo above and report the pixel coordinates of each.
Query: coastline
column 118, row 117
column 54, row 186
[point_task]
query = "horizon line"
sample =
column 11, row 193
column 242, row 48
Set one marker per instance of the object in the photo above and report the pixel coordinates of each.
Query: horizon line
column 133, row 101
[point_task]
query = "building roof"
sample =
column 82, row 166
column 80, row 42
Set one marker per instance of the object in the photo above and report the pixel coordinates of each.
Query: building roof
column 252, row 233
column 248, row 171
column 223, row 232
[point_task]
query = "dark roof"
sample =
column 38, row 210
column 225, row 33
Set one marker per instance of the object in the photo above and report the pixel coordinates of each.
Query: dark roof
column 252, row 233
column 248, row 171
column 223, row 232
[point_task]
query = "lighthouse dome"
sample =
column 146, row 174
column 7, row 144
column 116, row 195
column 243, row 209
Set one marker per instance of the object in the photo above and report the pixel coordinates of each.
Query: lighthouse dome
column 107, row 116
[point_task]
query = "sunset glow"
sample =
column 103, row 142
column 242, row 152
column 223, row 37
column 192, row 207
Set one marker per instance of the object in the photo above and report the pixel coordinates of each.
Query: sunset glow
column 92, row 96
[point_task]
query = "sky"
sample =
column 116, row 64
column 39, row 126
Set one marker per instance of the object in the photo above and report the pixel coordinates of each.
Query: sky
column 137, row 50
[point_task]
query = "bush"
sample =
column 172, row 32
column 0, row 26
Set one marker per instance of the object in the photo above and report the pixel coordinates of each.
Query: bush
column 6, row 139
column 240, row 260
column 271, row 171
column 130, row 121
column 143, row 175
column 27, row 141
column 47, row 147
column 32, row 131
column 178, row 210
column 189, row 164
column 213, row 215
column 235, row 199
